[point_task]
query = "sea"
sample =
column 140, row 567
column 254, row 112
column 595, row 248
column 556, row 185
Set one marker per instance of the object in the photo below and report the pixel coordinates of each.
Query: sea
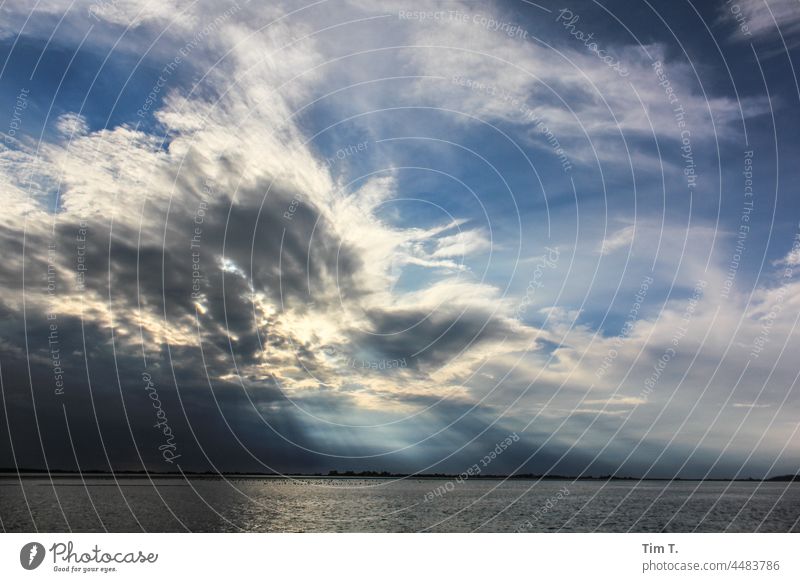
column 304, row 504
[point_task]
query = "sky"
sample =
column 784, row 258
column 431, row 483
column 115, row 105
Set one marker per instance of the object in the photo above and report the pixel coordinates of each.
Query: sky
column 350, row 235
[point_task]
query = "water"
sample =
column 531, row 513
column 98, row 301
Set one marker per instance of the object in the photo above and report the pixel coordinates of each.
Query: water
column 382, row 505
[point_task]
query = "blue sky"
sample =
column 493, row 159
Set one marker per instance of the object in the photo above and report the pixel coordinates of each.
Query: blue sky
column 418, row 230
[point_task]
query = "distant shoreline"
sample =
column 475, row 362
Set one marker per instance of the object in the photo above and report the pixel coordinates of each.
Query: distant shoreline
column 63, row 474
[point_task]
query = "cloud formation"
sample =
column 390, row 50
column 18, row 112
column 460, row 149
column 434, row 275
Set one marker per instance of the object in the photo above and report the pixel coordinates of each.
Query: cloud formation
column 298, row 309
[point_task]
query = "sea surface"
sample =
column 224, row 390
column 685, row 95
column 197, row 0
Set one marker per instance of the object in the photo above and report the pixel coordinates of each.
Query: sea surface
column 131, row 504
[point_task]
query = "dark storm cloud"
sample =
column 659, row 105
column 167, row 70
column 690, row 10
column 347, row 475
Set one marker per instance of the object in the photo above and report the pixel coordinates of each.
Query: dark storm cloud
column 428, row 339
column 279, row 255
column 215, row 423
column 128, row 272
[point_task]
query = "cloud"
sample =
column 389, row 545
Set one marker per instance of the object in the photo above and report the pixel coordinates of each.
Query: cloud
column 461, row 244
column 792, row 258
column 562, row 95
column 72, row 125
column 619, row 239
column 763, row 19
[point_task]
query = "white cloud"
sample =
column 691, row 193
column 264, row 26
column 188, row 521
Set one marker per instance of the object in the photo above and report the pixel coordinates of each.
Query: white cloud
column 762, row 18
column 461, row 244
column 72, row 125
column 617, row 240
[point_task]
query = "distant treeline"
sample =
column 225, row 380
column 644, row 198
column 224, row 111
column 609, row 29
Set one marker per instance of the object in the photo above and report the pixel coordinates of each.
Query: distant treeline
column 8, row 472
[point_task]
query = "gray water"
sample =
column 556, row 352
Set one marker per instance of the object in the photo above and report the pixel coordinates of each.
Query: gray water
column 382, row 505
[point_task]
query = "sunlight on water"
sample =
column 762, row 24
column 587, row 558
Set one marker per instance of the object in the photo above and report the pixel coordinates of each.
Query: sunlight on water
column 319, row 504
